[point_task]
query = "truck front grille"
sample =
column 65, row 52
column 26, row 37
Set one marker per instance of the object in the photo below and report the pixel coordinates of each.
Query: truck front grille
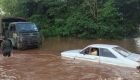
column 31, row 39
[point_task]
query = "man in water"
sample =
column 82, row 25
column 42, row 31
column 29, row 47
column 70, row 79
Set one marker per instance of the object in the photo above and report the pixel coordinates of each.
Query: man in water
column 6, row 47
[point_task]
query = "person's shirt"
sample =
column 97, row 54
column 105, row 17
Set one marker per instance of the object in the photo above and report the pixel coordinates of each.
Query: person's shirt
column 6, row 45
column 94, row 52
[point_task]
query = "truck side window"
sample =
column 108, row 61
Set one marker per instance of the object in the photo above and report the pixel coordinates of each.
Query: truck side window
column 106, row 53
column 13, row 28
column 86, row 51
column 91, row 51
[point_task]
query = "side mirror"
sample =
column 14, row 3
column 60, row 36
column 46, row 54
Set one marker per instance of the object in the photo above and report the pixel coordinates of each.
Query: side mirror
column 39, row 28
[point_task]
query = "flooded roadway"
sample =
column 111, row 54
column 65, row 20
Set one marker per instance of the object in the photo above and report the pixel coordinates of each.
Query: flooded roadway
column 47, row 64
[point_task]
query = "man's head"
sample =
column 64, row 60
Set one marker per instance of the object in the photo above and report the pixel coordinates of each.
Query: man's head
column 94, row 49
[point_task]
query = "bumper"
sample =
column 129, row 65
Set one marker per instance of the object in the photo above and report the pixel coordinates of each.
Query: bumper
column 29, row 43
column 138, row 67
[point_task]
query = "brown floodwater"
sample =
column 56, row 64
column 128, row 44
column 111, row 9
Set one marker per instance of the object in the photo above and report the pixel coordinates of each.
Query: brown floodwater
column 47, row 64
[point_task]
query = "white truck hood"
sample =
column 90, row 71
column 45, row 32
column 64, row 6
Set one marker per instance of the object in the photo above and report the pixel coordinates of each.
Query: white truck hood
column 72, row 51
column 134, row 57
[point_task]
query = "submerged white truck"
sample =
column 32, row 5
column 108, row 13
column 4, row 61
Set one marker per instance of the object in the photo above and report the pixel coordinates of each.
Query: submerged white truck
column 108, row 54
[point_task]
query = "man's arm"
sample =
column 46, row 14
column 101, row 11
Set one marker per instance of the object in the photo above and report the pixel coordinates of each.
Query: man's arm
column 2, row 45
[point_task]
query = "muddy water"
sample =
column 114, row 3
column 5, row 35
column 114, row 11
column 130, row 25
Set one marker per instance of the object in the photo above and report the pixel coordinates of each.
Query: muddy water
column 47, row 64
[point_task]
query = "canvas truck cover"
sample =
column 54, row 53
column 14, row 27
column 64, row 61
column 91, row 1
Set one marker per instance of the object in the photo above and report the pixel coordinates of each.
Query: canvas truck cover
column 4, row 22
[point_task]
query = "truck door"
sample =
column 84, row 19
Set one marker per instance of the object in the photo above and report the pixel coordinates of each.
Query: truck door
column 106, row 56
column 86, row 54
column 12, row 35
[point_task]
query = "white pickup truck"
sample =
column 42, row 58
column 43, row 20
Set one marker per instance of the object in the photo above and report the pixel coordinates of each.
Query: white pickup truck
column 108, row 54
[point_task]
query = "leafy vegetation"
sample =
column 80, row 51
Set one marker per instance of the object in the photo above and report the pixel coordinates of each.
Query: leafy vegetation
column 107, row 19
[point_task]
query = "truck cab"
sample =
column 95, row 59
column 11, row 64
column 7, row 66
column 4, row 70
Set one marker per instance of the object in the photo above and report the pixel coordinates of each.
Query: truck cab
column 23, row 34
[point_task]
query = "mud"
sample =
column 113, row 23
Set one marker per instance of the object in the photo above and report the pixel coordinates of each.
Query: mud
column 47, row 64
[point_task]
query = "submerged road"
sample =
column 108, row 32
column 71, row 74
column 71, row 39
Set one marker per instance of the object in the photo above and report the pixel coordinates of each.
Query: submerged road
column 47, row 64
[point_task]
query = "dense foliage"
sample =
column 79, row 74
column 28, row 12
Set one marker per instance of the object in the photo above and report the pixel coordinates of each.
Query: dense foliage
column 108, row 19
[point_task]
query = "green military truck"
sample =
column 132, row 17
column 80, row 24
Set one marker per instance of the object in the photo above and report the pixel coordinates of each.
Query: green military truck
column 22, row 34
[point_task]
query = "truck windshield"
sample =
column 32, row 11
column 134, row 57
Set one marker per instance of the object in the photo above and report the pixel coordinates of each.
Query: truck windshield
column 122, row 51
column 24, row 27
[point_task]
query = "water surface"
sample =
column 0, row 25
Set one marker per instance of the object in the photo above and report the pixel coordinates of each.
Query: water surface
column 47, row 64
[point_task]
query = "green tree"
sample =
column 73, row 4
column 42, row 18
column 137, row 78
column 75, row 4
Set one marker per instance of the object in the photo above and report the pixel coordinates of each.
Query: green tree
column 107, row 19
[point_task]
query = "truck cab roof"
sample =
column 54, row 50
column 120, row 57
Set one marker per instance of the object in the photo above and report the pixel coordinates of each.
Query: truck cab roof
column 13, row 19
column 20, row 22
column 103, row 45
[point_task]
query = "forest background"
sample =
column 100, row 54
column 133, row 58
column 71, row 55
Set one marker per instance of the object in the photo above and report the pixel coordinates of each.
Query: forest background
column 89, row 19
